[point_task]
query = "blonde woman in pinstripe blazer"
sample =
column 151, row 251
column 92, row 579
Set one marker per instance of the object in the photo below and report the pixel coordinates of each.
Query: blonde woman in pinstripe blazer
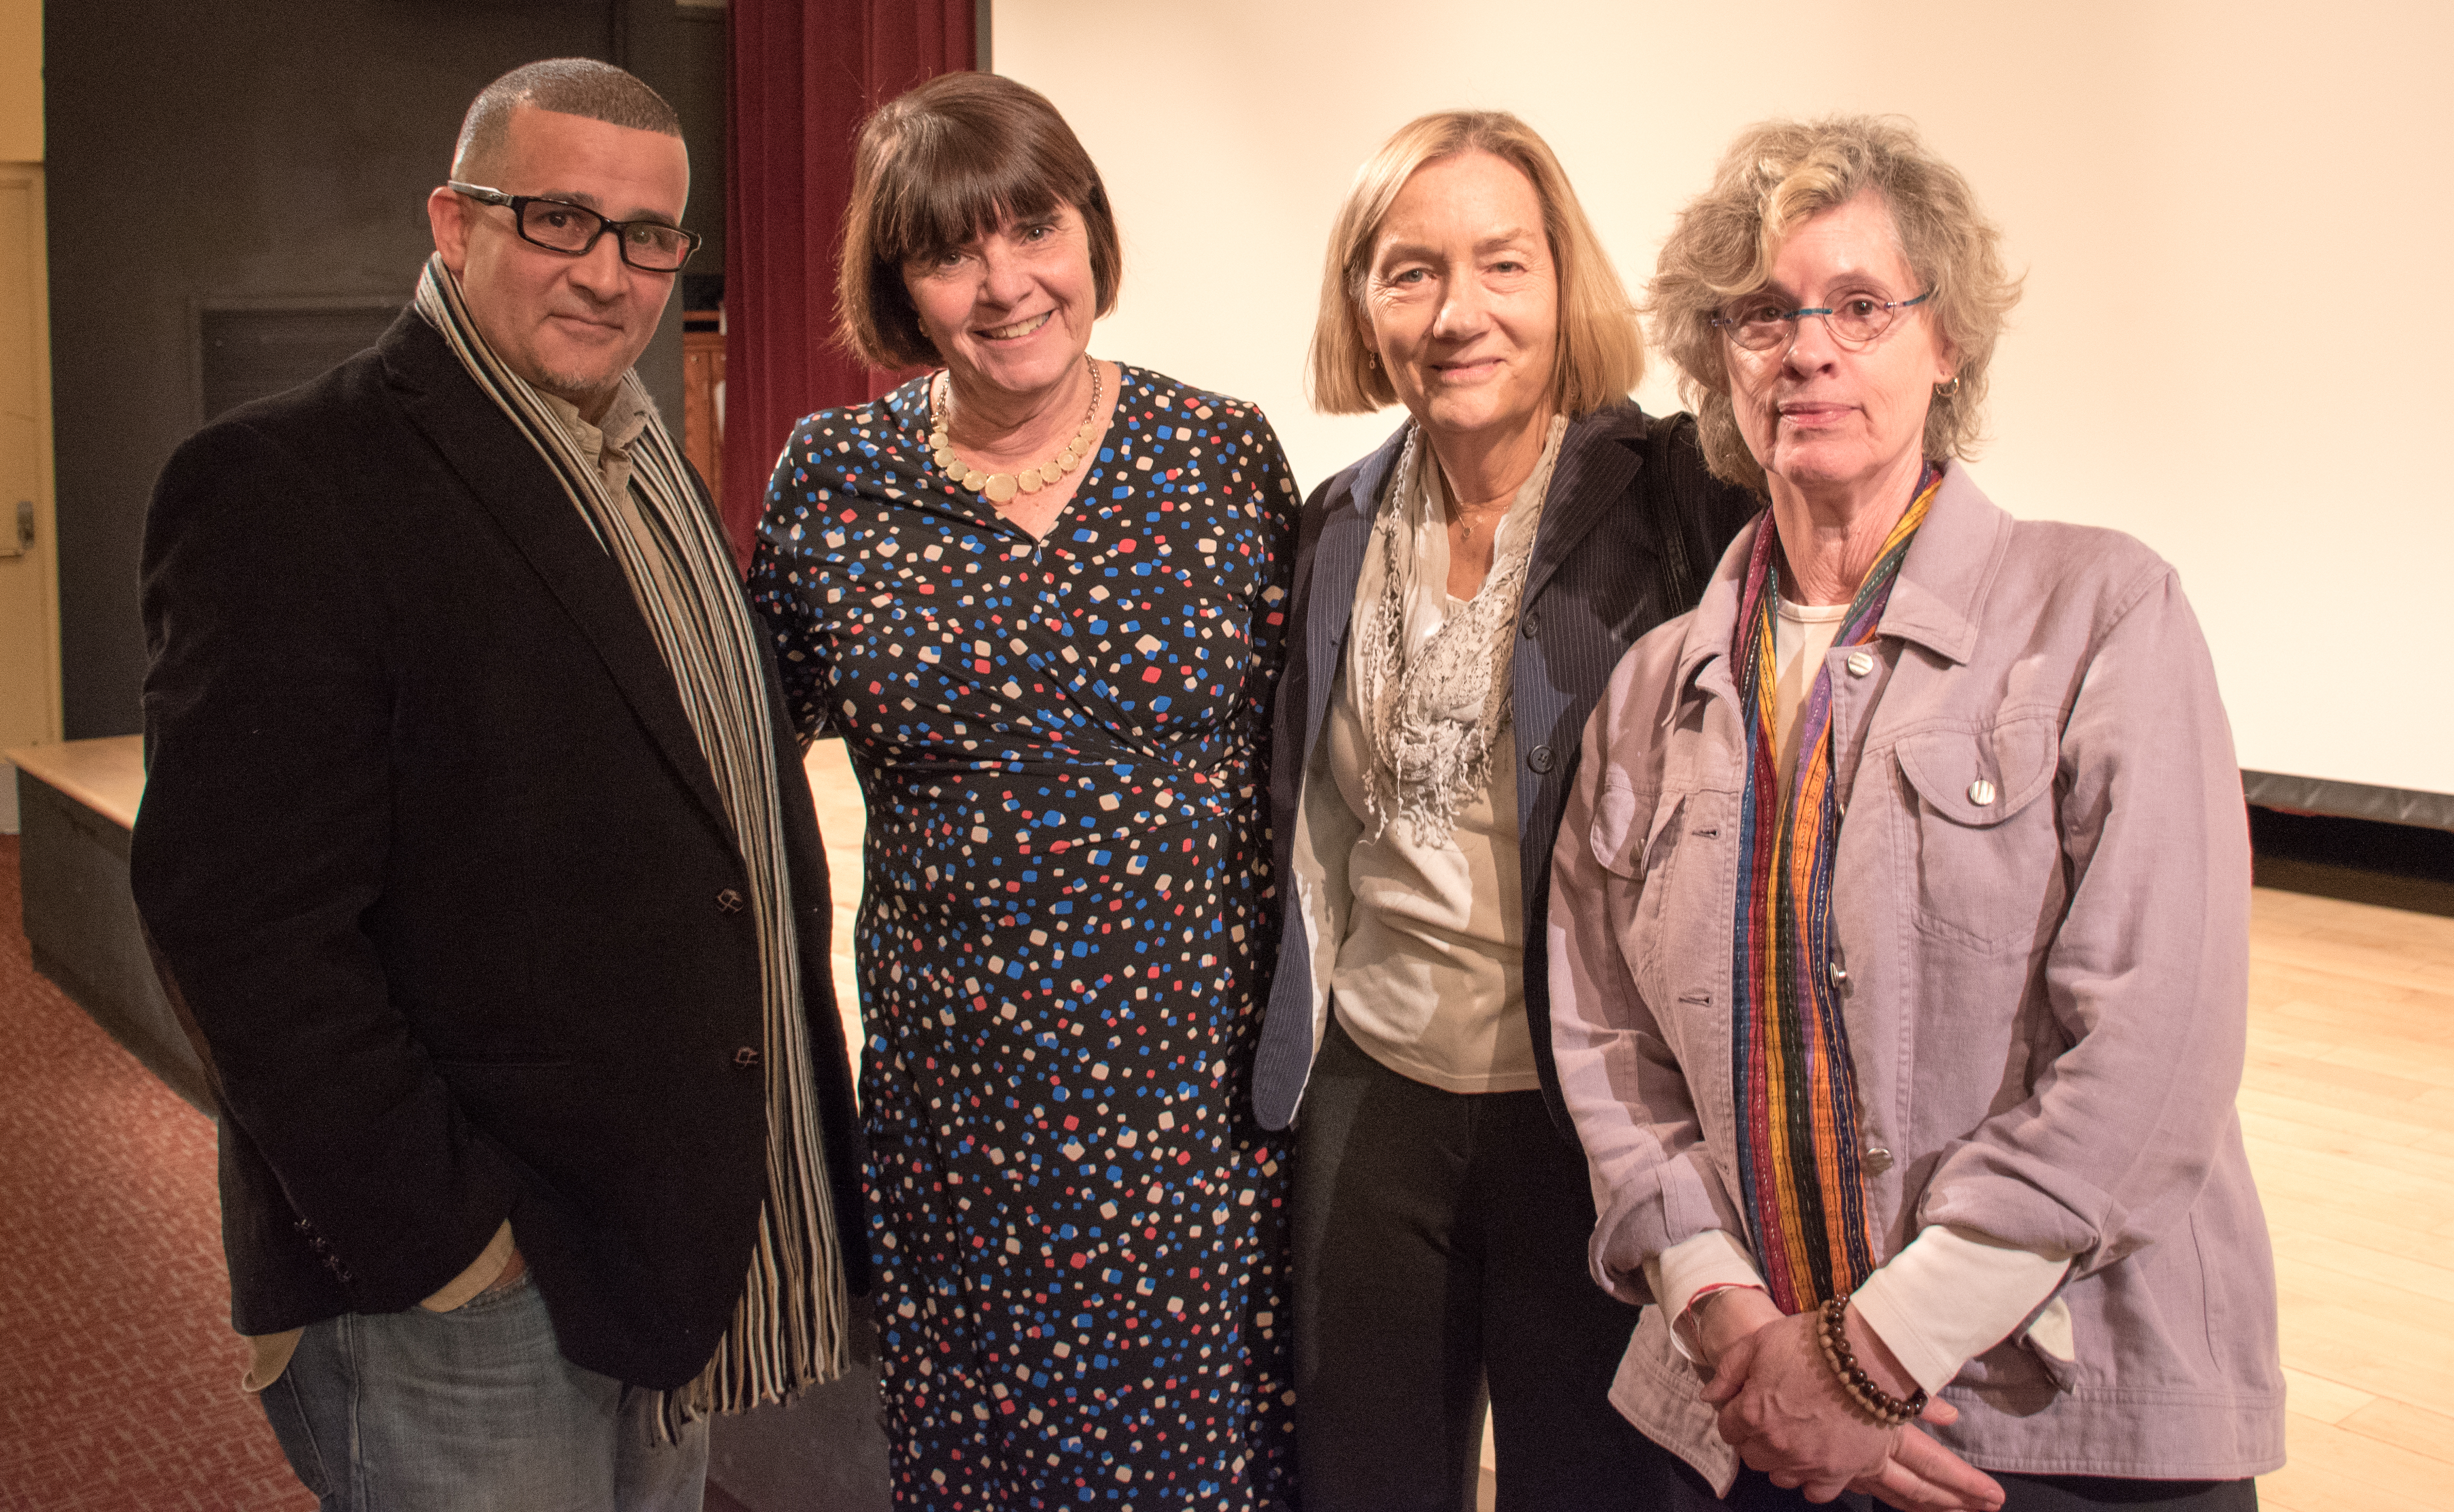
column 1460, row 598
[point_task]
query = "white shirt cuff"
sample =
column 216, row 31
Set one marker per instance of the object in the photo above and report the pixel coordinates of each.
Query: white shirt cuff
column 1952, row 1295
column 1714, row 1258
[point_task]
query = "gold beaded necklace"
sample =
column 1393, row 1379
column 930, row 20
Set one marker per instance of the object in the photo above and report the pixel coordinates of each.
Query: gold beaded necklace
column 999, row 487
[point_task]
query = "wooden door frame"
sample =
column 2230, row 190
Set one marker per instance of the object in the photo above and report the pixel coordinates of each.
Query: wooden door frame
column 46, row 535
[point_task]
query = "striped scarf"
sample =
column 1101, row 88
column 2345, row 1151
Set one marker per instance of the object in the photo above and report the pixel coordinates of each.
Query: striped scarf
column 1798, row 1176
column 788, row 1332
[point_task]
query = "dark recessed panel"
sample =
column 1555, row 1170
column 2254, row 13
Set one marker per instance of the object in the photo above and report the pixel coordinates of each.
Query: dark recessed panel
column 250, row 354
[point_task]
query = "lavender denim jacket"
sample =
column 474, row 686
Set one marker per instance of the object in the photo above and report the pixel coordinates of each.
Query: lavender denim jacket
column 2041, row 897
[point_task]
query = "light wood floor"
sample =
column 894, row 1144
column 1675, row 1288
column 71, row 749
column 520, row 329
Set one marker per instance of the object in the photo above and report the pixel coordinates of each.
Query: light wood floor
column 2348, row 1108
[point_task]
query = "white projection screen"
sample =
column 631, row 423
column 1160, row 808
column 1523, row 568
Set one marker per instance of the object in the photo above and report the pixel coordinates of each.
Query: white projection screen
column 2234, row 219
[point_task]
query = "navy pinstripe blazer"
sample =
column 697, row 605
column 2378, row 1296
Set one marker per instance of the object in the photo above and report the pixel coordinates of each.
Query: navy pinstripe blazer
column 1630, row 532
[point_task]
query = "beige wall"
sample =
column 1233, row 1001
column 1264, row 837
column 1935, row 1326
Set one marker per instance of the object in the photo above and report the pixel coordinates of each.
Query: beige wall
column 2233, row 217
column 20, row 81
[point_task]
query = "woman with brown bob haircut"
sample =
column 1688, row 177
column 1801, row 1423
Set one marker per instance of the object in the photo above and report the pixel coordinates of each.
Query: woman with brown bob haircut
column 1461, row 594
column 1040, row 596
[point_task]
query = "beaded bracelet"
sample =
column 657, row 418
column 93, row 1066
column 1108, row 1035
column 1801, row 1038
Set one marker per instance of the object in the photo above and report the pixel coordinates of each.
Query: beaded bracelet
column 1887, row 1410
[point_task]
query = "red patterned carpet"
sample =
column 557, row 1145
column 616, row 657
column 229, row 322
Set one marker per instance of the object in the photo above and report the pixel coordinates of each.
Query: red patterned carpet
column 118, row 1371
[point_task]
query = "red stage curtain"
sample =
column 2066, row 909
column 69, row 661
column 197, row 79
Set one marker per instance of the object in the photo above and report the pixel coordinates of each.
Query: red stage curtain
column 804, row 74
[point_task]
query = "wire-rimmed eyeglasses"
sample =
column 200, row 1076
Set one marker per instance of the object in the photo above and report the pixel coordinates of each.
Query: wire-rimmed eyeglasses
column 559, row 225
column 1763, row 325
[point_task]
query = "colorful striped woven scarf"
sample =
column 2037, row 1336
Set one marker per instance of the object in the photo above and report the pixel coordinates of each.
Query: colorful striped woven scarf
column 1799, row 1176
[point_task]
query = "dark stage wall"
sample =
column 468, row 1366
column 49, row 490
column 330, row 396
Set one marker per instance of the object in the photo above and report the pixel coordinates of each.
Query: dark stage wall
column 236, row 198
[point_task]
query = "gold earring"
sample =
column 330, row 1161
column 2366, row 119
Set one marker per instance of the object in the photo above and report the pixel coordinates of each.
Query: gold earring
column 1947, row 390
column 1374, row 359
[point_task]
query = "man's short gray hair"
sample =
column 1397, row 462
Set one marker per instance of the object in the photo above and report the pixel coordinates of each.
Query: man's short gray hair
column 582, row 87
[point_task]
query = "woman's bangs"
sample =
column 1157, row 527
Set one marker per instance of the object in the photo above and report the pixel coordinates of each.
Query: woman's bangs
column 941, row 204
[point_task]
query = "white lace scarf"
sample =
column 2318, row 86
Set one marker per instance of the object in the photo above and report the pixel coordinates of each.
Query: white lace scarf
column 1432, row 687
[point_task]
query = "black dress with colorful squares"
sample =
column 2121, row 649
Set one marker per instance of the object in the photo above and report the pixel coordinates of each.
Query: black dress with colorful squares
column 1078, row 1230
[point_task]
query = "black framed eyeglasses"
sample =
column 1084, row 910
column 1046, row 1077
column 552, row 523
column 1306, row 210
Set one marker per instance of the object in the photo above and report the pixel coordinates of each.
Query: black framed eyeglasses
column 1762, row 325
column 559, row 225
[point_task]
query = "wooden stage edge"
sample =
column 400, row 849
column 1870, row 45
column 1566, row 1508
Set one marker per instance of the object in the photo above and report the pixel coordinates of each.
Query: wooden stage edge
column 75, row 803
column 106, row 776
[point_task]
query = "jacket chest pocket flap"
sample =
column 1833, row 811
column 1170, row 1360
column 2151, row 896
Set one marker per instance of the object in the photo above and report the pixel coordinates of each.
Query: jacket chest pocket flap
column 1987, row 855
column 1628, row 826
column 1634, row 838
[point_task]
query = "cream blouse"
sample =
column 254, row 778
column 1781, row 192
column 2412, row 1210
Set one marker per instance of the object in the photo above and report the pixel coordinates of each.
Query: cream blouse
column 1430, row 927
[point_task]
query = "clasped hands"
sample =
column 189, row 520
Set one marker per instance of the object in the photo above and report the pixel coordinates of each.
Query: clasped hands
column 1787, row 1415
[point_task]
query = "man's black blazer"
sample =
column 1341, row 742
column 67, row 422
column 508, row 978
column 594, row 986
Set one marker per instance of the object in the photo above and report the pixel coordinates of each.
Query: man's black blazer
column 1630, row 532
column 432, row 866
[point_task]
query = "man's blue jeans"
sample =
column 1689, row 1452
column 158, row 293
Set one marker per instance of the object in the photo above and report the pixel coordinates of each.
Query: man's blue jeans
column 473, row 1410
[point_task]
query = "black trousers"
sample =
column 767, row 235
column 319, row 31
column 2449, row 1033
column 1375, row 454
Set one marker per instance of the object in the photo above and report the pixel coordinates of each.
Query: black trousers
column 1755, row 1492
column 1440, row 1265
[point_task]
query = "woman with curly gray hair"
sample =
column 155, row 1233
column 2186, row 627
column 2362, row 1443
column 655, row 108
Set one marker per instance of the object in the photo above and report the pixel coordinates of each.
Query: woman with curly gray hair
column 1899, row 924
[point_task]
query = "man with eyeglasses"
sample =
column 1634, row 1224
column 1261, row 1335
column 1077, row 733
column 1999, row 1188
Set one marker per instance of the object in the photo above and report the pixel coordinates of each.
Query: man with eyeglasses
column 482, row 870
